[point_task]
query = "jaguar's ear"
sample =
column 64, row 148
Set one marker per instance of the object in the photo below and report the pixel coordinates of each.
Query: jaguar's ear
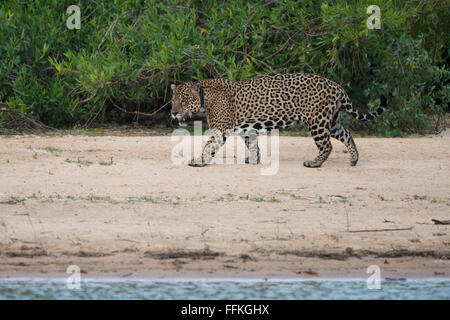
column 172, row 86
column 202, row 109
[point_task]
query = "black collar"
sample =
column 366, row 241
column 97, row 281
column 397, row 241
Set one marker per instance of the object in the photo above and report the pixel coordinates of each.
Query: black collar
column 202, row 97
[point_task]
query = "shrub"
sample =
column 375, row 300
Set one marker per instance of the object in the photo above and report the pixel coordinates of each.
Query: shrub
column 127, row 53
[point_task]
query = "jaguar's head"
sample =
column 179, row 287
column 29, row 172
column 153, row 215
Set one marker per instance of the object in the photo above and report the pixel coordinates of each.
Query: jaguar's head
column 187, row 98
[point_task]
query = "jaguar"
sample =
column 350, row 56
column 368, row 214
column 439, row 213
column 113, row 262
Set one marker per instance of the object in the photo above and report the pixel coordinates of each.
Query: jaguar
column 265, row 103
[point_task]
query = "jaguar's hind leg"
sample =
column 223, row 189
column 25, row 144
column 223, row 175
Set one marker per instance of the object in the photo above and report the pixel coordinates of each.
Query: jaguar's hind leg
column 322, row 139
column 340, row 133
column 346, row 138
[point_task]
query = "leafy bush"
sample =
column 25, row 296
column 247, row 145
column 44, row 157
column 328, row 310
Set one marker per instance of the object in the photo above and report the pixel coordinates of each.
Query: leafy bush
column 127, row 53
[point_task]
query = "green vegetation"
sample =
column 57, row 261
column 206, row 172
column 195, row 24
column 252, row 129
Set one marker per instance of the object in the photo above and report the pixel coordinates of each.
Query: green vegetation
column 12, row 200
column 106, row 163
column 80, row 162
column 97, row 198
column 127, row 53
column 52, row 150
column 142, row 199
column 262, row 199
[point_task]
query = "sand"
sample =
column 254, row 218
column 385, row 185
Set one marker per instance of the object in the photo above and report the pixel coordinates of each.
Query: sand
column 118, row 206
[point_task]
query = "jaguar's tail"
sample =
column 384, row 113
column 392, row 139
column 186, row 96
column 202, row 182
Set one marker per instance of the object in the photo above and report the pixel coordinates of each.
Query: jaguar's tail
column 347, row 104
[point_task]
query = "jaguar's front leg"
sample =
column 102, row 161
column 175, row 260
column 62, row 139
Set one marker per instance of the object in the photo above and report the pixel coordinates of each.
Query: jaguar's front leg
column 209, row 150
column 251, row 141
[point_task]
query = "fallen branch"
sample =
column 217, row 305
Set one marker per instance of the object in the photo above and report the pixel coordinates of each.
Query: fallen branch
column 137, row 112
column 22, row 119
column 440, row 221
column 337, row 196
column 381, row 230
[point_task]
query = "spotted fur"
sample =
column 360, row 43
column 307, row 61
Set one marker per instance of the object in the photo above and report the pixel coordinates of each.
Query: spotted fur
column 266, row 103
